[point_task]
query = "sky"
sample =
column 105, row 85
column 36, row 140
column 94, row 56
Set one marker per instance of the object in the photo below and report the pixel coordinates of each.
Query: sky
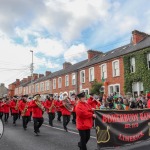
column 63, row 30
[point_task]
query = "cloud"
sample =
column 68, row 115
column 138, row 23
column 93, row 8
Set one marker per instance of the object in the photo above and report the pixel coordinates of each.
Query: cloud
column 75, row 53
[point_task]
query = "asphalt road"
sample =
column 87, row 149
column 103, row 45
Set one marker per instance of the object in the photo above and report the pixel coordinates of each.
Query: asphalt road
column 15, row 138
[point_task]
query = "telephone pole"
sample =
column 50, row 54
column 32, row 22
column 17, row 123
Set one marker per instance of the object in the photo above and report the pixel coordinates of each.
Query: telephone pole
column 31, row 69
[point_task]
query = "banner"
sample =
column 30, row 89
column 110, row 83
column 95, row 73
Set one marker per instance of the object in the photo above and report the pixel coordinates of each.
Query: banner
column 119, row 128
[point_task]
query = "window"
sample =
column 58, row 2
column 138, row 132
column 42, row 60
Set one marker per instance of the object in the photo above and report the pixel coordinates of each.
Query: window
column 103, row 71
column 86, row 91
column 59, row 82
column 29, row 88
column 115, row 88
column 148, row 60
column 36, row 87
column 42, row 87
column 47, row 85
column 91, row 74
column 115, row 66
column 82, row 76
column 54, row 83
column 26, row 90
column 73, row 79
column 66, row 80
column 132, row 64
column 32, row 88
column 137, row 88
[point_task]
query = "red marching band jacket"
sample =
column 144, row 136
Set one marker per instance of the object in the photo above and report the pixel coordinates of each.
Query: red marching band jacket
column 36, row 111
column 6, row 107
column 64, row 110
column 48, row 104
column 84, row 116
column 22, row 106
column 1, row 107
column 58, row 104
column 13, row 104
column 93, row 103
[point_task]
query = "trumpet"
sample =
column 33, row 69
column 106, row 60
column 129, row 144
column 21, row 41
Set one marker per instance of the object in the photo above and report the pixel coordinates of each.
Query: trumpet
column 17, row 105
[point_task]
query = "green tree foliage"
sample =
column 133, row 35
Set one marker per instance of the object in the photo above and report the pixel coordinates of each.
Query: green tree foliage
column 96, row 87
column 141, row 74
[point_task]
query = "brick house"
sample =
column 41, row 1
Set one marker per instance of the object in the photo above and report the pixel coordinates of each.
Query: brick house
column 110, row 66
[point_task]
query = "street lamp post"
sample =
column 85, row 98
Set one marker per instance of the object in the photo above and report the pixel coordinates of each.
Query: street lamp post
column 31, row 69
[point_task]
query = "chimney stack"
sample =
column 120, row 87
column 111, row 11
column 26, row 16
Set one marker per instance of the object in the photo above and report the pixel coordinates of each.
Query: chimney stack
column 66, row 65
column 138, row 36
column 29, row 78
column 47, row 73
column 93, row 53
column 35, row 76
column 41, row 75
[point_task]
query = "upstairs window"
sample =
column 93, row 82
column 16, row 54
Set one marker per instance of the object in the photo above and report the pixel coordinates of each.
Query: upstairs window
column 82, row 76
column 115, row 66
column 73, row 79
column 132, row 65
column 54, row 83
column 66, row 80
column 103, row 71
column 91, row 74
column 59, row 82
column 148, row 60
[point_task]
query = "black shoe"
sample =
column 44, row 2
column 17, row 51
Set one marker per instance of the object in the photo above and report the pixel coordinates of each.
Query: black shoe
column 36, row 133
column 66, row 129
column 25, row 129
column 14, row 124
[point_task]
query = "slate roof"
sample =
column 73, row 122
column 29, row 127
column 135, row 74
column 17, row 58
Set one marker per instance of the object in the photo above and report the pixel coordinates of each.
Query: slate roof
column 123, row 50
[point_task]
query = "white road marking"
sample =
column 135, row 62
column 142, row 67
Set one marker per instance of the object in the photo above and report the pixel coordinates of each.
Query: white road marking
column 93, row 137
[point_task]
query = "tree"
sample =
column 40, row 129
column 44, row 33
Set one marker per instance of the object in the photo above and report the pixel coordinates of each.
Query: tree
column 96, row 88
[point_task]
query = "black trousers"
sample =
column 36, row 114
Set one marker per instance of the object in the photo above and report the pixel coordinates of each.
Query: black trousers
column 30, row 116
column 59, row 114
column 1, row 115
column 51, row 117
column 25, row 120
column 84, row 138
column 15, row 117
column 6, row 116
column 74, row 117
column 66, row 119
column 37, row 123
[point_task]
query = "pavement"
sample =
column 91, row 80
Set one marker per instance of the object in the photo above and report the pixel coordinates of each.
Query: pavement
column 51, row 138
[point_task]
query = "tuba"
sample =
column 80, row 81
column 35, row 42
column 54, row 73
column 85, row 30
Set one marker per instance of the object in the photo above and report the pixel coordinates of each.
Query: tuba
column 67, row 104
column 38, row 103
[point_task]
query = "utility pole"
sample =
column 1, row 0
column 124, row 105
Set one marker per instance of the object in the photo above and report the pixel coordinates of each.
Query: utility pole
column 31, row 69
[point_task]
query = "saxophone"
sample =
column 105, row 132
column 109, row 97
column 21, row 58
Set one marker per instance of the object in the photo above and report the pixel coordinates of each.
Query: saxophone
column 38, row 103
column 17, row 105
column 52, row 105
column 25, row 109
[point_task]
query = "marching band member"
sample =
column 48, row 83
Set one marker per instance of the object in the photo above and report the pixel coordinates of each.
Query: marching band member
column 148, row 100
column 59, row 114
column 37, row 112
column 6, row 108
column 50, row 106
column 25, row 112
column 74, row 102
column 84, row 121
column 1, row 107
column 14, row 104
column 66, row 111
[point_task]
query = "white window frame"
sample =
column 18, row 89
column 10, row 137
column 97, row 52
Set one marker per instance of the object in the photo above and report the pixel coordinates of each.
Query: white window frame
column 138, row 86
column 37, row 87
column 42, row 86
column 113, row 69
column 29, row 88
column 71, row 92
column 73, row 79
column 113, row 85
column 66, row 80
column 26, row 90
column 105, row 72
column 54, row 83
column 83, row 90
column 59, row 83
column 132, row 64
column 81, row 81
column 47, row 83
column 148, row 60
column 91, row 74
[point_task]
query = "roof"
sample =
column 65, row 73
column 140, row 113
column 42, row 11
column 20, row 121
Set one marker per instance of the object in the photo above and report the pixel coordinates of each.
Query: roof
column 123, row 50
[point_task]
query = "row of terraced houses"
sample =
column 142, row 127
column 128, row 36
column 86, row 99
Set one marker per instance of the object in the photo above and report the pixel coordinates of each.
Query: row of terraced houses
column 74, row 78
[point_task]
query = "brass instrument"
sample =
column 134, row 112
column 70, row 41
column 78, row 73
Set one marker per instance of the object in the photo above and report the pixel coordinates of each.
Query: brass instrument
column 103, row 136
column 67, row 104
column 52, row 105
column 149, row 128
column 25, row 109
column 38, row 103
column 17, row 105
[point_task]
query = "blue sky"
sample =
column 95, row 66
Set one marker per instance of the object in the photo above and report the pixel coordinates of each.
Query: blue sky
column 59, row 31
